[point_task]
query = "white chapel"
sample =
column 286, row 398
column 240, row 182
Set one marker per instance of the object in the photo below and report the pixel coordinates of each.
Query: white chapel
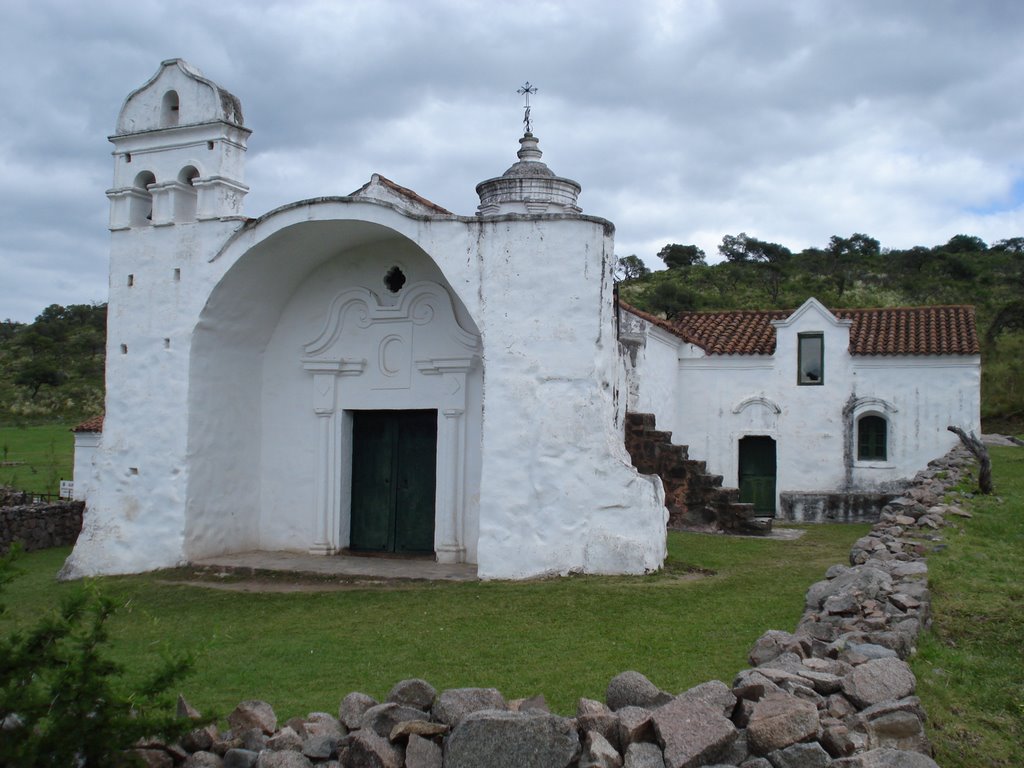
column 367, row 373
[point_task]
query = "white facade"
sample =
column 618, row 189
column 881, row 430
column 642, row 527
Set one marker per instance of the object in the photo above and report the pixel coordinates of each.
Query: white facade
column 239, row 351
column 710, row 402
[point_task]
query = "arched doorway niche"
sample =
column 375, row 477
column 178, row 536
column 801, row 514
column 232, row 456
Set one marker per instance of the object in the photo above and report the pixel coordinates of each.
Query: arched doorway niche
column 296, row 338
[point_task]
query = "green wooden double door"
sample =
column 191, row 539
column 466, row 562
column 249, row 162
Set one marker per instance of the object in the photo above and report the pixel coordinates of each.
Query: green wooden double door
column 757, row 473
column 394, row 456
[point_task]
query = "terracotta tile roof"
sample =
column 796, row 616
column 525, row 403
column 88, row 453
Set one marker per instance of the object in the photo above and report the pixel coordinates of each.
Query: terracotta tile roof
column 886, row 331
column 912, row 331
column 95, row 424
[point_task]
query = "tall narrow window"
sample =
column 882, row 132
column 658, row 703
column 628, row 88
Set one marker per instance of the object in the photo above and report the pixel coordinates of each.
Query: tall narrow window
column 811, row 358
column 872, row 438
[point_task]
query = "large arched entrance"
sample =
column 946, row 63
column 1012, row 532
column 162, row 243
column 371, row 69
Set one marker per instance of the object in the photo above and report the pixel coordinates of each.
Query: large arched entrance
column 331, row 366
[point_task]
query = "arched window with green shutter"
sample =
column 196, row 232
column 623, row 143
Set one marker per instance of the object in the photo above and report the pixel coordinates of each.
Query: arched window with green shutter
column 872, row 438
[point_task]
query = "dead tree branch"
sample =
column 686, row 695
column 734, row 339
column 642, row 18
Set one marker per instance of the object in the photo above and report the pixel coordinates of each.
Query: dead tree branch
column 980, row 452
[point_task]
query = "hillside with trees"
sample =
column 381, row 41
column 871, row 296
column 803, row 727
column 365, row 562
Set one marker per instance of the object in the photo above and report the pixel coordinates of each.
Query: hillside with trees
column 51, row 370
column 856, row 271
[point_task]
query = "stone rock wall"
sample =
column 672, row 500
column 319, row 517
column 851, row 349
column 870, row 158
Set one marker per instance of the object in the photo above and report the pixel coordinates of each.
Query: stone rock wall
column 835, row 692
column 38, row 525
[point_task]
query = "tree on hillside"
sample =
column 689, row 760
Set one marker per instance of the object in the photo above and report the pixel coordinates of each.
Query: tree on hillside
column 770, row 259
column 35, row 374
column 742, row 247
column 8, row 328
column 846, row 257
column 670, row 298
column 963, row 244
column 1009, row 317
column 677, row 256
column 630, row 267
column 1010, row 245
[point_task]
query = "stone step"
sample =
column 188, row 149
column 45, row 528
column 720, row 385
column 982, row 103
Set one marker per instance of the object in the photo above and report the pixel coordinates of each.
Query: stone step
column 693, row 497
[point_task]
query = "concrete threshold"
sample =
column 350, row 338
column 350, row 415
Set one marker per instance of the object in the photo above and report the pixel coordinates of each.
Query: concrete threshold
column 343, row 566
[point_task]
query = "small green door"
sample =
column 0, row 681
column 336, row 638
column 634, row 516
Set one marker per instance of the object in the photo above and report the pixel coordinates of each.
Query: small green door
column 393, row 479
column 757, row 473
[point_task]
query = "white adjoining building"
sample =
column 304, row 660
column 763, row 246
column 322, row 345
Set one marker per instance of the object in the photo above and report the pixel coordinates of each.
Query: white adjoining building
column 368, row 372
column 813, row 414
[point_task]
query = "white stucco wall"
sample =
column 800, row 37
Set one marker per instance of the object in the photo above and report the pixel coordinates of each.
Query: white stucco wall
column 558, row 492
column 723, row 398
column 651, row 363
column 83, row 472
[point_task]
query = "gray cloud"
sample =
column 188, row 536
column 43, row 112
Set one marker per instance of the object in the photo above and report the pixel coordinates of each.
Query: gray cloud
column 791, row 120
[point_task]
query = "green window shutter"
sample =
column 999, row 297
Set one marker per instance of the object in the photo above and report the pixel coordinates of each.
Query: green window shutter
column 872, row 438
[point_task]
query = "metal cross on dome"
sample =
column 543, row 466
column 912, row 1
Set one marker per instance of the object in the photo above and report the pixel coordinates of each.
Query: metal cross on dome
column 526, row 90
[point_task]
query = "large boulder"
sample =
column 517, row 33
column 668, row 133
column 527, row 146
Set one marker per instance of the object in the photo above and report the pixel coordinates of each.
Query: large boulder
column 879, row 680
column 632, row 689
column 714, row 693
column 807, row 755
column 368, row 750
column 353, row 707
column 501, row 739
column 771, row 644
column 895, row 725
column 422, row 753
column 867, row 581
column 692, row 733
column 456, row 703
column 644, row 755
column 384, row 717
column 781, row 719
column 284, row 759
column 415, row 693
column 634, row 725
column 599, row 753
column 253, row 714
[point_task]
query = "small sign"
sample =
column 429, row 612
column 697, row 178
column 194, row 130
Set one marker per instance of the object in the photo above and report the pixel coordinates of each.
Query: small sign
column 67, row 489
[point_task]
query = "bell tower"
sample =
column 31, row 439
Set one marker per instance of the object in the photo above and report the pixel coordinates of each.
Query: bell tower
column 179, row 152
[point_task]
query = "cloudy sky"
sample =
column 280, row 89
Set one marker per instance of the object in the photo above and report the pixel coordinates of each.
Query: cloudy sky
column 790, row 120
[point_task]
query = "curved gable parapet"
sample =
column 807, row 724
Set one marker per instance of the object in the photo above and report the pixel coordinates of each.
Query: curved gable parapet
column 757, row 400
column 812, row 307
column 421, row 303
column 178, row 94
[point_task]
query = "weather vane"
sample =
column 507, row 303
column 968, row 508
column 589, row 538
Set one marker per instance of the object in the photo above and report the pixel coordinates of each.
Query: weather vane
column 526, row 90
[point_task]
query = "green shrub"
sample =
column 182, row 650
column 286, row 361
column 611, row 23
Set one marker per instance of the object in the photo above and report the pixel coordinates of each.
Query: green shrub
column 61, row 702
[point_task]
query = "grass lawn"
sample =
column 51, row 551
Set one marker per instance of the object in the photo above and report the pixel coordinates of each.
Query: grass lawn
column 36, row 459
column 970, row 667
column 564, row 638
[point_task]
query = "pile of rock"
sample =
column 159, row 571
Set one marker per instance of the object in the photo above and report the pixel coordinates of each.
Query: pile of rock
column 837, row 692
column 38, row 525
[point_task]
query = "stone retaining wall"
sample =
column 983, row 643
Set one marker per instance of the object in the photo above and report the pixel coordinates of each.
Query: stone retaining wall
column 38, row 525
column 835, row 692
